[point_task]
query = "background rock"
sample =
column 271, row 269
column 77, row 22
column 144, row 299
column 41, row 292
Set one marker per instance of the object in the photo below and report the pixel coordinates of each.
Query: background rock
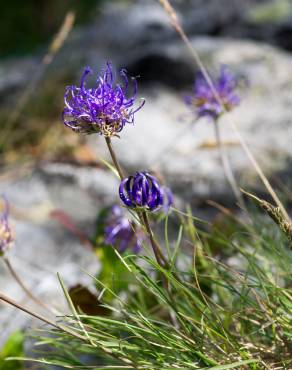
column 165, row 137
column 43, row 246
column 121, row 28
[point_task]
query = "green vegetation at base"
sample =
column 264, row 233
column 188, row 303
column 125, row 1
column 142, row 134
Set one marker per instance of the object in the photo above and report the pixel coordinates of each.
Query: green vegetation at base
column 12, row 348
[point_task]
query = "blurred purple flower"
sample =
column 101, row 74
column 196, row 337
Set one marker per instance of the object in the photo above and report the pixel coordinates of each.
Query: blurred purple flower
column 143, row 190
column 104, row 109
column 6, row 238
column 121, row 233
column 203, row 100
column 167, row 198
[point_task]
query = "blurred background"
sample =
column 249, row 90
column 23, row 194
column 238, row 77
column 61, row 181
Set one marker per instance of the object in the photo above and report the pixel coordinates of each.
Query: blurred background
column 46, row 170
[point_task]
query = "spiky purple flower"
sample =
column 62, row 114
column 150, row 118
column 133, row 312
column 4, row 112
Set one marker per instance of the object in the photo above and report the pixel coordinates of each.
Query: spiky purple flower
column 6, row 238
column 104, row 109
column 121, row 233
column 143, row 190
column 203, row 100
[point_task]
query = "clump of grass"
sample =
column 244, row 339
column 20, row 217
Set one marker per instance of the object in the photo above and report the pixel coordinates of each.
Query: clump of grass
column 213, row 314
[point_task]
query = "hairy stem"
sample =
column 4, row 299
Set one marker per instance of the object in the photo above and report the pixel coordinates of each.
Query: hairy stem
column 25, row 288
column 227, row 168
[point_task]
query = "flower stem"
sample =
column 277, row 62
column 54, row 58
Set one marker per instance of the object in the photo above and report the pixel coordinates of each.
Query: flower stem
column 10, row 301
column 227, row 168
column 161, row 260
column 114, row 157
column 25, row 288
column 62, row 328
column 143, row 215
column 175, row 23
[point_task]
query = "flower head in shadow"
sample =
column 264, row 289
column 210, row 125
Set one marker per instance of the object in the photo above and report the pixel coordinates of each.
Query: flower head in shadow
column 204, row 101
column 104, row 109
column 122, row 233
column 6, row 237
column 142, row 190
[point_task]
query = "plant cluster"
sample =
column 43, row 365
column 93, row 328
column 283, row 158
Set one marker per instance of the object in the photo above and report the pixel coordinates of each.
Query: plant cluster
column 217, row 296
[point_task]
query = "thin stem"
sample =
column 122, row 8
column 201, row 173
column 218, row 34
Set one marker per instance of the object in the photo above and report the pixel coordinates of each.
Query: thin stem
column 227, row 168
column 114, row 157
column 25, row 288
column 143, row 215
column 10, row 301
column 63, row 328
column 54, row 47
column 176, row 24
column 161, row 260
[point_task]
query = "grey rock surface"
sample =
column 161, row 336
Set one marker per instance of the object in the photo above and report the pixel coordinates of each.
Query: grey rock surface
column 262, row 20
column 125, row 28
column 166, row 138
column 43, row 246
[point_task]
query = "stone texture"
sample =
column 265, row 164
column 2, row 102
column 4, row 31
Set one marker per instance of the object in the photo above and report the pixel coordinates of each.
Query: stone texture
column 165, row 137
column 43, row 247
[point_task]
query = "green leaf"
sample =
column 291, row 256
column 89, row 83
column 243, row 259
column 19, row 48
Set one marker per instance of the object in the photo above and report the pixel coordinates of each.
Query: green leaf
column 12, row 348
column 234, row 365
column 113, row 273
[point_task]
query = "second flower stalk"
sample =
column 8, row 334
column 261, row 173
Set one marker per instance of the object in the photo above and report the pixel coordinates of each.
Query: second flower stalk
column 142, row 192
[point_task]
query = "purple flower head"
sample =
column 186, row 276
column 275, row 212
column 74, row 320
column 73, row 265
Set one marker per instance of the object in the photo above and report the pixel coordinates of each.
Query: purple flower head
column 6, row 238
column 121, row 233
column 204, row 101
column 142, row 190
column 103, row 109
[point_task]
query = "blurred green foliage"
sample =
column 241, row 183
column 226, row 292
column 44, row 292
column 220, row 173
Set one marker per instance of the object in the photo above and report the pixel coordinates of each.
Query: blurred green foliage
column 12, row 348
column 113, row 272
column 274, row 11
column 25, row 25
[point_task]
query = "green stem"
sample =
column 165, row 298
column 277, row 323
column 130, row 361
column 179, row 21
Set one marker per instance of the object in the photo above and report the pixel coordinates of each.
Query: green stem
column 161, row 260
column 10, row 301
column 62, row 328
column 143, row 216
column 114, row 157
